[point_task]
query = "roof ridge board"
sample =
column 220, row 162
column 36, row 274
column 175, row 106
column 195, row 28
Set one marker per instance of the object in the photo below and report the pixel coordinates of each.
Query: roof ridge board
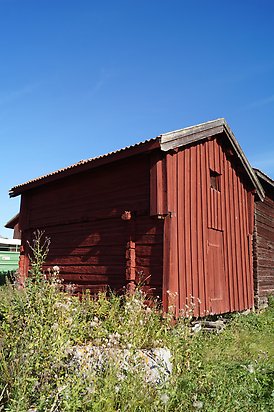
column 191, row 130
column 204, row 125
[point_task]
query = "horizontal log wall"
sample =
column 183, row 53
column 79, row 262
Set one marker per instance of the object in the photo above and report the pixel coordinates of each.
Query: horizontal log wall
column 264, row 250
column 82, row 216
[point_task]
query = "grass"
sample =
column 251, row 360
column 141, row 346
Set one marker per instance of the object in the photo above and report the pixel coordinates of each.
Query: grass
column 41, row 323
column 230, row 371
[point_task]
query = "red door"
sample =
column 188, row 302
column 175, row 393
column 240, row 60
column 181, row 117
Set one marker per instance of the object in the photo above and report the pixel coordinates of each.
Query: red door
column 216, row 273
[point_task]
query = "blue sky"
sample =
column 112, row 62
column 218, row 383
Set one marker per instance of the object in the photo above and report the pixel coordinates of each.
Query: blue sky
column 79, row 78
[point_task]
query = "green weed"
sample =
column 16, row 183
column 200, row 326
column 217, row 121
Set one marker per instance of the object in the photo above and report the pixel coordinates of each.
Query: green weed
column 41, row 324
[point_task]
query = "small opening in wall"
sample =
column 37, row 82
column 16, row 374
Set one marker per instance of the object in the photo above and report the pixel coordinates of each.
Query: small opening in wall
column 215, row 180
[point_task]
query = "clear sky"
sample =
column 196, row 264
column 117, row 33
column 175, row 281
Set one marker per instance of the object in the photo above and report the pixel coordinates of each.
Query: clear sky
column 79, row 78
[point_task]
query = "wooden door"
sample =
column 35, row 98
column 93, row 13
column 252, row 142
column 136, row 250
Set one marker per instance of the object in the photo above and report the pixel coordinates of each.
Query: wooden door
column 216, row 273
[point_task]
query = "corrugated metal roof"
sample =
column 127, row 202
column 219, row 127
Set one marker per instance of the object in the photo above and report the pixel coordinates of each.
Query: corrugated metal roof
column 80, row 163
column 167, row 141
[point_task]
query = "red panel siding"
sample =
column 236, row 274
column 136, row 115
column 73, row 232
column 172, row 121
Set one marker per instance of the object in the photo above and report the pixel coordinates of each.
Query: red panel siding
column 199, row 211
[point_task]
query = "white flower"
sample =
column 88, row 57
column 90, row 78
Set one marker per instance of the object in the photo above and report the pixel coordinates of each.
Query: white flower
column 55, row 326
column 198, row 404
column 56, row 269
column 250, row 368
column 164, row 398
column 61, row 388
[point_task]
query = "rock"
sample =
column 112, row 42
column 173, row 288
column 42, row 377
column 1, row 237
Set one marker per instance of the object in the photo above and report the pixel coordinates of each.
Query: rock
column 154, row 363
column 208, row 325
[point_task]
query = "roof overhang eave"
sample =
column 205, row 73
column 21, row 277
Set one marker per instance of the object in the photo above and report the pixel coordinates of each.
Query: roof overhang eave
column 262, row 176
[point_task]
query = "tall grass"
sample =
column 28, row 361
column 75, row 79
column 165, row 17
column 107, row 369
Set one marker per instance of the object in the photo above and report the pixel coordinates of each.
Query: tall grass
column 40, row 325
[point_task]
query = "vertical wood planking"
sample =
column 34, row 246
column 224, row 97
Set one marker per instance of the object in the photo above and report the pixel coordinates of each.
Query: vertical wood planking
column 200, row 255
column 193, row 220
column 171, row 282
column 157, row 185
column 246, row 226
column 250, row 237
column 208, row 166
column 238, row 242
column 188, row 266
column 244, row 272
column 232, row 229
column 225, row 208
column 204, row 214
column 181, row 201
column 201, row 208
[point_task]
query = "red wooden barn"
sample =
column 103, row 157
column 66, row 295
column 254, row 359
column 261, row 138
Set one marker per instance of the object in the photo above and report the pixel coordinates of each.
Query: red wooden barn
column 174, row 212
column 264, row 242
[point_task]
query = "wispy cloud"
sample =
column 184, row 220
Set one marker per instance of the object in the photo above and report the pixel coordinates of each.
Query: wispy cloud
column 260, row 102
column 246, row 72
column 14, row 95
column 103, row 79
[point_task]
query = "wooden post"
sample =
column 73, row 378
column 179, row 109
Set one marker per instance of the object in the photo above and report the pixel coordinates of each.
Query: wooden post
column 130, row 251
column 131, row 266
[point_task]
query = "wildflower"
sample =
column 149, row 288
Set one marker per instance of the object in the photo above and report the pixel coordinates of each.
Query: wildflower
column 250, row 368
column 55, row 326
column 70, row 288
column 198, row 404
column 164, row 398
column 61, row 388
column 90, row 389
column 94, row 322
column 61, row 305
column 56, row 270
